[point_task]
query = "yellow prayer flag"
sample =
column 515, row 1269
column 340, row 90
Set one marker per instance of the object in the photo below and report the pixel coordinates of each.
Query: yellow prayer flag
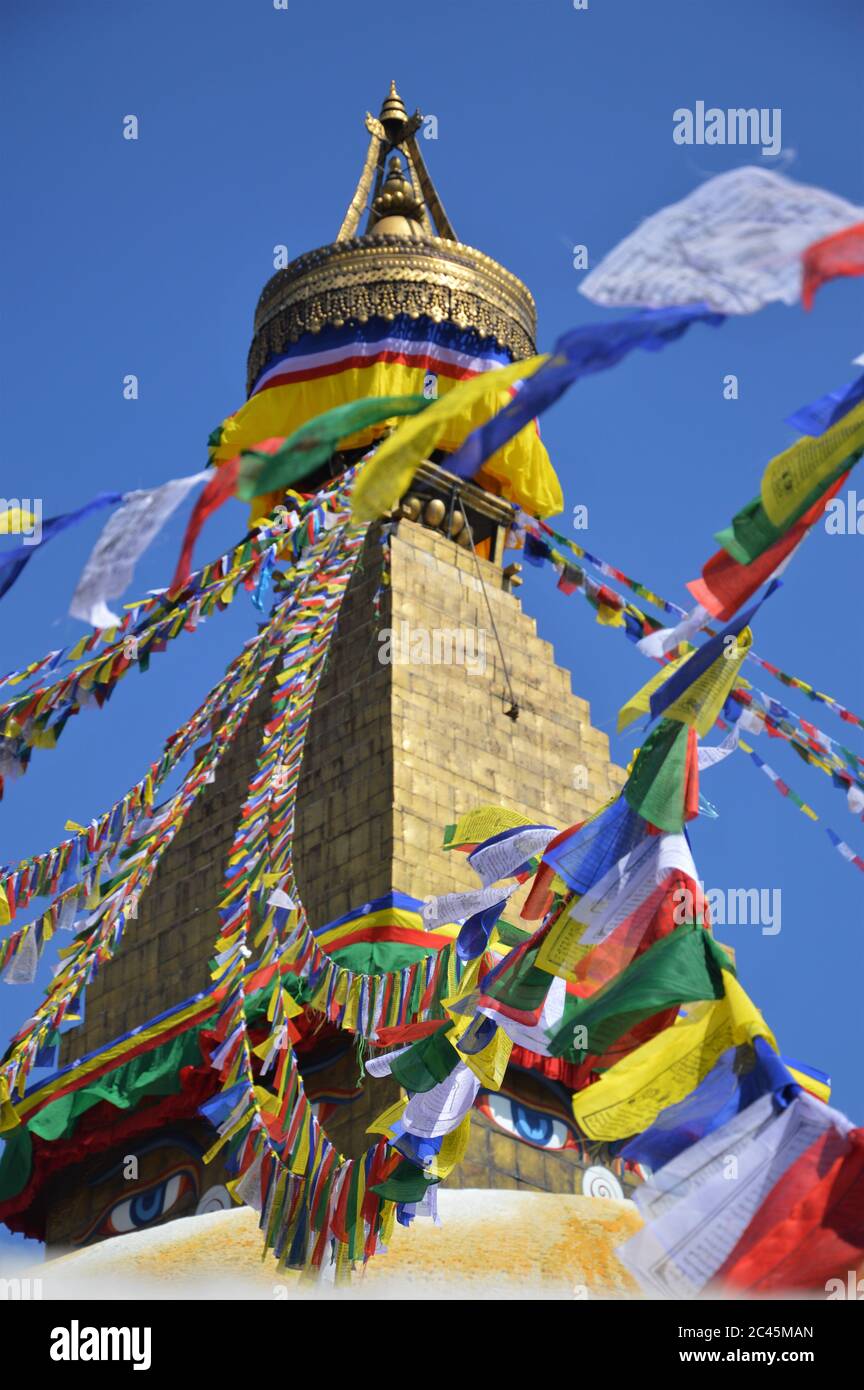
column 352, row 1005
column 8, row 1114
column 387, row 475
column 5, row 914
column 484, row 822
column 386, row 1121
column 640, row 703
column 452, row 1151
column 490, row 1063
column 301, row 1158
column 821, row 1089
column 630, row 1095
column 702, row 701
column 560, row 951
column 790, row 477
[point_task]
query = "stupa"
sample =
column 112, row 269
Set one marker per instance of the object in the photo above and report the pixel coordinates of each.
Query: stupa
column 400, row 747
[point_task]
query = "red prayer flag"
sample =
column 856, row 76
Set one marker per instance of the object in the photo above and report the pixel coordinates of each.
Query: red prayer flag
column 725, row 585
column 828, row 259
column 221, row 486
column 810, row 1228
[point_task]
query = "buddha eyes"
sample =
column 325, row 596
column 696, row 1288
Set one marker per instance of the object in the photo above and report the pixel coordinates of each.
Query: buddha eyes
column 531, row 1126
column 149, row 1205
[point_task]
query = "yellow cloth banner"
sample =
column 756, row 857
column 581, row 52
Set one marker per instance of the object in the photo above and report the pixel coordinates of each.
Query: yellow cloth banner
column 629, row 1096
column 521, row 468
column 387, row 475
column 790, row 477
column 816, row 1088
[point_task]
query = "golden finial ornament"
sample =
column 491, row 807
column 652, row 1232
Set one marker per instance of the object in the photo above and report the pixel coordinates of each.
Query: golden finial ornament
column 397, row 211
column 393, row 114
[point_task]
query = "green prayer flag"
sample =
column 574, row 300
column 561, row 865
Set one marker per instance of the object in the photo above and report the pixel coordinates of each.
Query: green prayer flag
column 315, row 442
column 656, row 787
column 522, row 986
column 407, row 1183
column 683, row 967
column 426, row 1062
column 752, row 532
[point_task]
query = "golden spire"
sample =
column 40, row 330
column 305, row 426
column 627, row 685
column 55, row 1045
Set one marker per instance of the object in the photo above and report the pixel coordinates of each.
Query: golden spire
column 395, row 130
column 407, row 259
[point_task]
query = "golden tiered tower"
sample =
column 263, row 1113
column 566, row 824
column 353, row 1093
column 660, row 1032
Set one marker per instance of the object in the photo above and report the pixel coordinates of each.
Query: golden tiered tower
column 397, row 750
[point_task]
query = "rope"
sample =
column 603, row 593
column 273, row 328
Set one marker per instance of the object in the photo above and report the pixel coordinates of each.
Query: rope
column 513, row 711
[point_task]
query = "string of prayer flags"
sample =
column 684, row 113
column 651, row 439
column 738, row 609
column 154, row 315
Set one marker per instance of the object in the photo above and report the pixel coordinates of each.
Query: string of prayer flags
column 739, row 1077
column 697, row 698
column 538, row 897
column 13, row 561
column 641, row 899
column 647, row 625
column 841, row 254
column 752, row 533
column 388, row 473
column 26, row 720
column 509, row 853
column 87, row 953
column 584, row 853
column 577, row 353
column 735, row 243
column 127, row 534
column 844, row 850
column 698, row 688
column 629, row 1096
column 727, row 583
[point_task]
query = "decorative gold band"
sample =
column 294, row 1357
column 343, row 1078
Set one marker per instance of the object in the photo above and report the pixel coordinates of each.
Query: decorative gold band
column 382, row 276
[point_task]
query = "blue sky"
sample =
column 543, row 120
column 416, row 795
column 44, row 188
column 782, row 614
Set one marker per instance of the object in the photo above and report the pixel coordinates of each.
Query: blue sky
column 554, row 128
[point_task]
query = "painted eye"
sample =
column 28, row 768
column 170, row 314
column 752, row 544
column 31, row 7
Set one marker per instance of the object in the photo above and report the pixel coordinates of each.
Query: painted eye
column 147, row 1206
column 531, row 1126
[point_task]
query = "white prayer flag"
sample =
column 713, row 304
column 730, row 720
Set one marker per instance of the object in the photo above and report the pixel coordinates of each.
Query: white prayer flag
column 734, row 244
column 125, row 537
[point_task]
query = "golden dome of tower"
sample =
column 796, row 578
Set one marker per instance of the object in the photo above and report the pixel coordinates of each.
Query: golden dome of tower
column 407, row 261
